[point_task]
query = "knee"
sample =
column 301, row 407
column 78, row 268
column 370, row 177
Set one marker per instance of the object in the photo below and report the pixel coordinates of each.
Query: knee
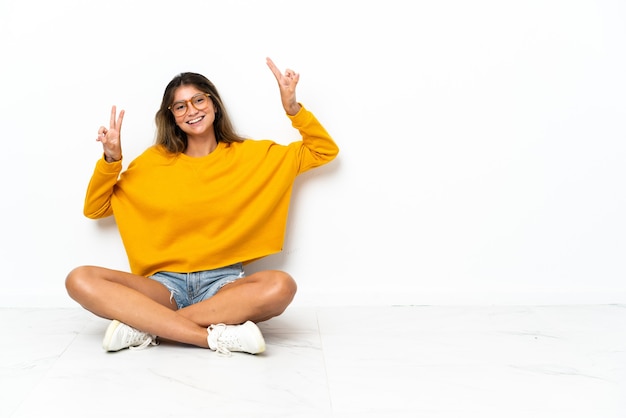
column 77, row 281
column 282, row 288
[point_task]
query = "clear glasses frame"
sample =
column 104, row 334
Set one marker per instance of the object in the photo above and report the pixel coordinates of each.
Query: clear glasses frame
column 199, row 101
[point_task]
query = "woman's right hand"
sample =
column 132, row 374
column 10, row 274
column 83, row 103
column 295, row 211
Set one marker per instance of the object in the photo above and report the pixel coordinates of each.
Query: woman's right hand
column 110, row 138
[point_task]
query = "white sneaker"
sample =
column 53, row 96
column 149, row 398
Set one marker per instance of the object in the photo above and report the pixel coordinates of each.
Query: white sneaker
column 120, row 336
column 246, row 337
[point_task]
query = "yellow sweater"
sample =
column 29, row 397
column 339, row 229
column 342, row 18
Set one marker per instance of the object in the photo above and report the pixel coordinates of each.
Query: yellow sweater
column 183, row 214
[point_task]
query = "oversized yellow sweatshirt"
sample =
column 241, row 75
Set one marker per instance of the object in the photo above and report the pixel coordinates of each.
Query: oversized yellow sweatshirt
column 183, row 214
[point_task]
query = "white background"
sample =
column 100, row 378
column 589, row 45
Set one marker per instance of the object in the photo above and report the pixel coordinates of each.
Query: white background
column 482, row 143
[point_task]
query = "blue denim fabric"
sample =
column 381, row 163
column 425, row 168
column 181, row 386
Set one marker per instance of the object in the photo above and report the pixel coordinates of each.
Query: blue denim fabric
column 190, row 288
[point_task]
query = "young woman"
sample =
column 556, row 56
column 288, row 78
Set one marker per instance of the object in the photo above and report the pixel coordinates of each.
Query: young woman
column 192, row 210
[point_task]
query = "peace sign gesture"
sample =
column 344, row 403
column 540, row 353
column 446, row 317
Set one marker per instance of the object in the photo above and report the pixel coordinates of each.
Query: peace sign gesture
column 111, row 138
column 287, row 84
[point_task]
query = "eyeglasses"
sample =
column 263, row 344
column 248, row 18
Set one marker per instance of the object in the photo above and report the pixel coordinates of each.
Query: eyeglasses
column 200, row 101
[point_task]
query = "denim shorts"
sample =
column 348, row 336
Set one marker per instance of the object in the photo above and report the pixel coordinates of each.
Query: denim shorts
column 189, row 288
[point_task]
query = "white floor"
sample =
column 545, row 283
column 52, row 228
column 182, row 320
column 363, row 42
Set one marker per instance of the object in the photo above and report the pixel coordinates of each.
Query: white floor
column 421, row 361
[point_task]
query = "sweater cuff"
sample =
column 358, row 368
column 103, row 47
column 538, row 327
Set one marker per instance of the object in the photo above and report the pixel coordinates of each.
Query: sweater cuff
column 105, row 167
column 299, row 117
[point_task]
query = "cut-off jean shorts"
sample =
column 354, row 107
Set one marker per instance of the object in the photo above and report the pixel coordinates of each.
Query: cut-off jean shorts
column 189, row 288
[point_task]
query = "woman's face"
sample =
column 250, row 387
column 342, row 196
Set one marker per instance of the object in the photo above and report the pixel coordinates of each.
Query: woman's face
column 193, row 110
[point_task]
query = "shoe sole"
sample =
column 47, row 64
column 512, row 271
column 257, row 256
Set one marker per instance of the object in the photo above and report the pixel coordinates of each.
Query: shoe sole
column 108, row 336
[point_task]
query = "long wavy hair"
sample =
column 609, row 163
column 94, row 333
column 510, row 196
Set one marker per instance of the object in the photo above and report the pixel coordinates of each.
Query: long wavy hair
column 170, row 136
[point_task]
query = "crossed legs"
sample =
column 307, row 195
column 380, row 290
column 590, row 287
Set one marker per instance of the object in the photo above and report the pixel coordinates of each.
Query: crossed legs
column 145, row 304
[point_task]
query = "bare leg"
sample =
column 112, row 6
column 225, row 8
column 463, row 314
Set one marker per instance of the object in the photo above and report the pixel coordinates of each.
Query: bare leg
column 256, row 298
column 145, row 304
column 140, row 302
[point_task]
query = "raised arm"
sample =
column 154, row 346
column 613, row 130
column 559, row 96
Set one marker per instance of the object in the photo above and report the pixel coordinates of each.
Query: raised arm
column 98, row 196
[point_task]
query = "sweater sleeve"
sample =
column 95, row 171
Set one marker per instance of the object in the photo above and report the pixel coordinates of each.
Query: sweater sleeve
column 317, row 147
column 100, row 189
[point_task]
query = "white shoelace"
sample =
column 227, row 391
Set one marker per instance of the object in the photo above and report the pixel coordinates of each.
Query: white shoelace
column 137, row 336
column 221, row 342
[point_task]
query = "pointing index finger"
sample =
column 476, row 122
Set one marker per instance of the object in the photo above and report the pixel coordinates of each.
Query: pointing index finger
column 274, row 68
column 112, row 120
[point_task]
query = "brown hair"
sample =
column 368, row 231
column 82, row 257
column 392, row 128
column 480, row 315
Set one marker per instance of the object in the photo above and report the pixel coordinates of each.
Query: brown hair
column 170, row 136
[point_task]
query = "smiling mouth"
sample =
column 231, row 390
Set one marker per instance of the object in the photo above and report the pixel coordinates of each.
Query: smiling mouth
column 194, row 121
